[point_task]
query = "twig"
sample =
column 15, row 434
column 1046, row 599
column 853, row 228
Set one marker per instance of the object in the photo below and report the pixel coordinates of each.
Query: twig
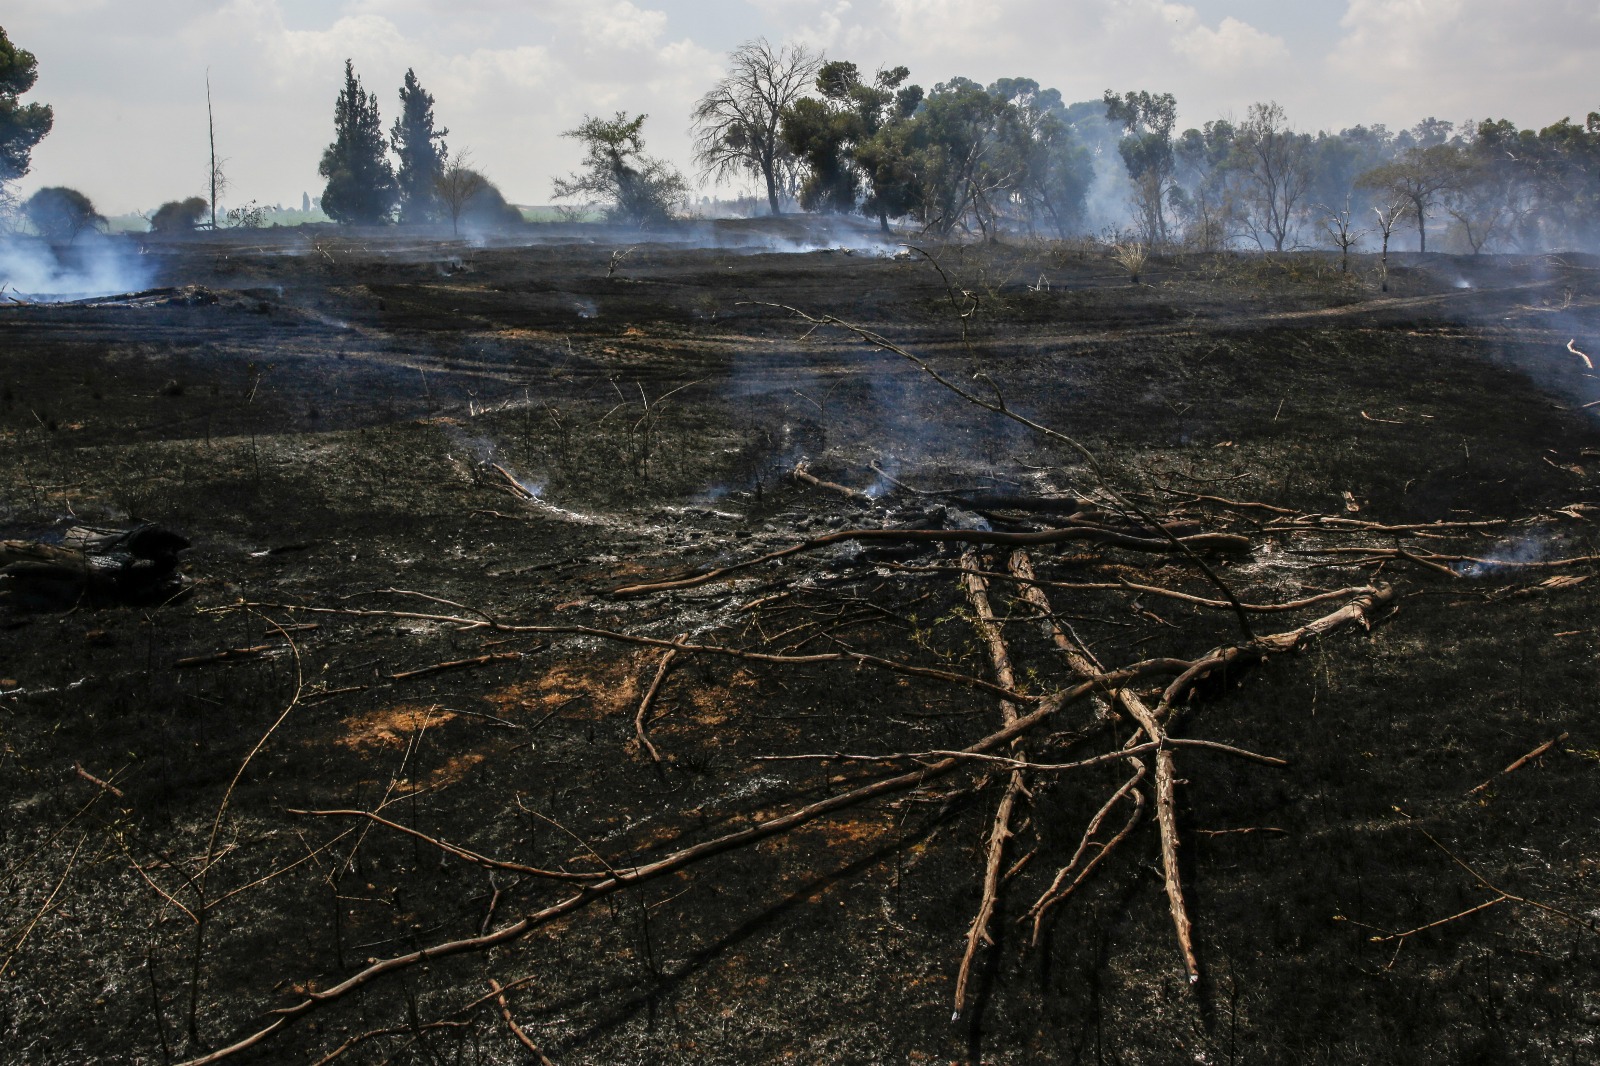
column 1520, row 763
column 1485, row 905
column 1227, row 542
column 231, row 655
column 107, row 786
column 464, row 854
column 458, row 664
column 72, row 859
column 511, row 1023
column 1056, row 892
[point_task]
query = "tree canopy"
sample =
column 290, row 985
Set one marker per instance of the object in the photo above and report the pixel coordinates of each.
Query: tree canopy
column 60, row 214
column 616, row 173
column 178, row 216
column 361, row 184
column 22, row 126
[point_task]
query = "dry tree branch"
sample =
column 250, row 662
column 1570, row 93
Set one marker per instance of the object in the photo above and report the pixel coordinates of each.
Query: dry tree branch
column 1016, row 785
column 1056, row 892
column 511, row 1023
column 999, row 407
column 464, row 854
column 1042, row 767
column 1520, row 763
column 1223, row 542
column 649, row 698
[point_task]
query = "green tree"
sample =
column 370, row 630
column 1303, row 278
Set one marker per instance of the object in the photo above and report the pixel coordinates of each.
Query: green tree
column 361, row 186
column 738, row 124
column 958, row 148
column 616, row 172
column 22, row 126
column 1419, row 177
column 60, row 214
column 1147, row 120
column 848, row 140
column 422, row 153
column 1205, row 191
column 1053, row 169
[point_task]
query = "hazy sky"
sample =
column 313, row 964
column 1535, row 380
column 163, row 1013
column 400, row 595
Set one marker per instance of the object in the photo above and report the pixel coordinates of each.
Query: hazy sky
column 128, row 79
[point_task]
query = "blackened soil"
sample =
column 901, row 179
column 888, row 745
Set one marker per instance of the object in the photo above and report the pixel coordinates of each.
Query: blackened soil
column 337, row 424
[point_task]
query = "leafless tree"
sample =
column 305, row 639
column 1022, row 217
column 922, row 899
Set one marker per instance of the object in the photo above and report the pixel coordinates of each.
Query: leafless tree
column 1342, row 233
column 1389, row 215
column 737, row 124
column 456, row 185
column 1274, row 160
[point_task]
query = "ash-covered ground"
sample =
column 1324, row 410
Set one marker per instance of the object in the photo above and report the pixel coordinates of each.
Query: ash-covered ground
column 414, row 472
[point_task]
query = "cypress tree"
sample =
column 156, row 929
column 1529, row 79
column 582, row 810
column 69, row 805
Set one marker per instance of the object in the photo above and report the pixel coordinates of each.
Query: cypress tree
column 421, row 149
column 361, row 186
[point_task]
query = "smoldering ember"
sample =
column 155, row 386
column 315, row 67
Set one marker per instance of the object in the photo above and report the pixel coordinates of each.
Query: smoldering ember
column 899, row 629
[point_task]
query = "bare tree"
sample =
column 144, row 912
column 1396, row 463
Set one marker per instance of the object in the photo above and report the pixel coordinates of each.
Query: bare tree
column 1389, row 215
column 1274, row 160
column 737, row 124
column 1343, row 234
column 456, row 185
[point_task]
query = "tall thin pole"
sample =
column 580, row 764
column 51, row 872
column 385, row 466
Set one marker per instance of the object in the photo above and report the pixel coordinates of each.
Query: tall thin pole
column 211, row 123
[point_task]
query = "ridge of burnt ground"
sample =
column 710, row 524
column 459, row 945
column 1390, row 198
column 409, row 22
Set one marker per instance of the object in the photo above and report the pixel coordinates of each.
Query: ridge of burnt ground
column 333, row 425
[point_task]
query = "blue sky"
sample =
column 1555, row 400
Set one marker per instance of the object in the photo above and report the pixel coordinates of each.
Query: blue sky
column 127, row 79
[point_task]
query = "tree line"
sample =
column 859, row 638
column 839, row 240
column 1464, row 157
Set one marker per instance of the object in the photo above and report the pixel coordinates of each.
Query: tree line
column 960, row 159
column 1013, row 156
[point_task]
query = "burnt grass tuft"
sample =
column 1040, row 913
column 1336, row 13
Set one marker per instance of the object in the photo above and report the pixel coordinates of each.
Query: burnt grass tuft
column 323, row 421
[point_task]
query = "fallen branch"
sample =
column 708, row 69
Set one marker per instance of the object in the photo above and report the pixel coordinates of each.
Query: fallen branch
column 460, row 664
column 1513, row 768
column 511, row 1023
column 231, row 655
column 802, row 473
column 1016, row 784
column 649, row 697
column 1223, row 542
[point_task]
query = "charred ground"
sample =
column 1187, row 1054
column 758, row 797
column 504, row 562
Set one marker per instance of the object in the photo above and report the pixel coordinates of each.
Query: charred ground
column 343, row 424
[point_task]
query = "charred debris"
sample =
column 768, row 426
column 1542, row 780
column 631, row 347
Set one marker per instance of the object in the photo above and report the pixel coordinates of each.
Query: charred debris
column 644, row 652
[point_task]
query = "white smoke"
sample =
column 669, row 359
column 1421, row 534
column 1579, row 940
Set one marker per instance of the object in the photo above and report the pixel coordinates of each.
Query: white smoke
column 32, row 270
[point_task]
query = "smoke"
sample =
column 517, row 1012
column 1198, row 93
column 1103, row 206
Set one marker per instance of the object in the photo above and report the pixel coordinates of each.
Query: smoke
column 34, row 270
column 1107, row 205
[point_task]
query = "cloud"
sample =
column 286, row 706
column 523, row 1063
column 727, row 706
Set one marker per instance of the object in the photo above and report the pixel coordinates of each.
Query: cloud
column 1532, row 62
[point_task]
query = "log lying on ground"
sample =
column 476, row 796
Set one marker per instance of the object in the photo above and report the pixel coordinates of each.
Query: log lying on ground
column 1217, row 542
column 128, row 563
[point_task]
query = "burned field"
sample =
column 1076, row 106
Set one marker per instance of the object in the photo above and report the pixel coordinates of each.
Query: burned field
column 646, row 652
